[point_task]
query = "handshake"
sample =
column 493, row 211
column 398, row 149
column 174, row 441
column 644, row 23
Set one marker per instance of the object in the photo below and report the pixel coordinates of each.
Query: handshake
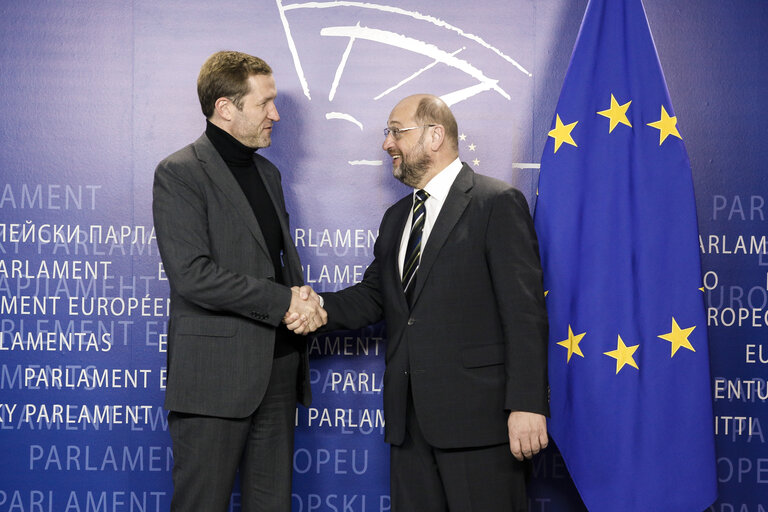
column 305, row 314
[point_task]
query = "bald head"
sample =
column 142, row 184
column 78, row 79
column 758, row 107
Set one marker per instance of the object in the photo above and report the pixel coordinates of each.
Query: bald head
column 429, row 109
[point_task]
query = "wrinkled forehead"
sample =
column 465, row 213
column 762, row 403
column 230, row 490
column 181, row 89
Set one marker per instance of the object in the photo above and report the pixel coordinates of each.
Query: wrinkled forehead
column 402, row 114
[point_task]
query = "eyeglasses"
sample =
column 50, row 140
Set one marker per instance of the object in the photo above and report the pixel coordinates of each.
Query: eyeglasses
column 397, row 132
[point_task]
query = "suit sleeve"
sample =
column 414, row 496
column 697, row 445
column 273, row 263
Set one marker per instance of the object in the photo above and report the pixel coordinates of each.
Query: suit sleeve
column 513, row 260
column 361, row 304
column 181, row 224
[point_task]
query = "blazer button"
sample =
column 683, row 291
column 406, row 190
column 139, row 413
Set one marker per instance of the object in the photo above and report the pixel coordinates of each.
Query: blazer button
column 411, row 321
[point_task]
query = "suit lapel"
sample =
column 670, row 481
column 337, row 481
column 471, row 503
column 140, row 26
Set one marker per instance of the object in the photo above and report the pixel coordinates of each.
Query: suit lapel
column 292, row 263
column 221, row 176
column 455, row 204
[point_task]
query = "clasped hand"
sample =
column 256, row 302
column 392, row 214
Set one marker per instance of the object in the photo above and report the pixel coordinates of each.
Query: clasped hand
column 305, row 314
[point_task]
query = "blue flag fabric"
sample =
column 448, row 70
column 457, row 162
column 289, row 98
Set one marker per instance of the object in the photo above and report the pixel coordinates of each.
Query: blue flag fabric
column 628, row 357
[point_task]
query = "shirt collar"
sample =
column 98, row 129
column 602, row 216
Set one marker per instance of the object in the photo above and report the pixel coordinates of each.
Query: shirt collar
column 439, row 186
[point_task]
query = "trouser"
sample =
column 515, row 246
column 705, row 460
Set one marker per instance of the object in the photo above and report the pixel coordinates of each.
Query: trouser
column 209, row 451
column 428, row 479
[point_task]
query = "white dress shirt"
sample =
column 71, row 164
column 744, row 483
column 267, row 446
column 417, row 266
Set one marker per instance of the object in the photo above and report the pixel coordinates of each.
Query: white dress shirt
column 437, row 188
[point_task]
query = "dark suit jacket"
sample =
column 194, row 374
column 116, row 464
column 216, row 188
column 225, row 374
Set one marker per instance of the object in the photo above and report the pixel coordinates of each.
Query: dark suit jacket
column 225, row 303
column 473, row 346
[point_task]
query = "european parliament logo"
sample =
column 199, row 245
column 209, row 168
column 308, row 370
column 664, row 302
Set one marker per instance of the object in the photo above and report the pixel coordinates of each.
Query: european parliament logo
column 355, row 60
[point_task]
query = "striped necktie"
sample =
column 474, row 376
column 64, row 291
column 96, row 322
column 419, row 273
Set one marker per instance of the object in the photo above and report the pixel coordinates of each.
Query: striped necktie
column 413, row 249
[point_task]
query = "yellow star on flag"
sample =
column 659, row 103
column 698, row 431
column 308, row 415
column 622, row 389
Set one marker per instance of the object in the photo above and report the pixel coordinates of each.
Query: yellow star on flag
column 617, row 114
column 562, row 133
column 572, row 344
column 623, row 355
column 666, row 125
column 678, row 337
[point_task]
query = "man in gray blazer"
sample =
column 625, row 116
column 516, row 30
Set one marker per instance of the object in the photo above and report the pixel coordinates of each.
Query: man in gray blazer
column 235, row 372
column 457, row 278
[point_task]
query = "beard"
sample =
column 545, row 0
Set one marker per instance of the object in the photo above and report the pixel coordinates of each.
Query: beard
column 255, row 138
column 413, row 167
column 253, row 134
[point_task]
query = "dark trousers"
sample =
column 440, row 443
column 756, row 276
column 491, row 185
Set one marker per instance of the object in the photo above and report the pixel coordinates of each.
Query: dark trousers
column 428, row 479
column 208, row 452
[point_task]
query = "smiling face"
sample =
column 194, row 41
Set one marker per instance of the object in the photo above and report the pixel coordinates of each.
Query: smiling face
column 252, row 122
column 410, row 159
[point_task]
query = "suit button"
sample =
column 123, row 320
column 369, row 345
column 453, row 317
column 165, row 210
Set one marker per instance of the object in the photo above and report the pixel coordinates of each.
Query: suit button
column 411, row 321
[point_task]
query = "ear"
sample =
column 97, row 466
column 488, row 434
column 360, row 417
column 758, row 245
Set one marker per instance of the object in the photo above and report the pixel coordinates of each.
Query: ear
column 223, row 107
column 438, row 137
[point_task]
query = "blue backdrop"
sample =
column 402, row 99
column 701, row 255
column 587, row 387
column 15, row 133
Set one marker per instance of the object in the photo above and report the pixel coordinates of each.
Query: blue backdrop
column 94, row 94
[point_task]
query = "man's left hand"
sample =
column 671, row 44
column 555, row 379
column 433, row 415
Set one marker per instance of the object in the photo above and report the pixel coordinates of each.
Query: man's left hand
column 527, row 434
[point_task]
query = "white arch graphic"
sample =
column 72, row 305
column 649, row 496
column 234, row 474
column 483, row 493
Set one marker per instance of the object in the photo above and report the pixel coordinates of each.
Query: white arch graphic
column 391, row 38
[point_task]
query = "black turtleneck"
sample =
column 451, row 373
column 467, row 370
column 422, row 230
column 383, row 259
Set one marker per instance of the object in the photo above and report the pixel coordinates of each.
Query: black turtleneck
column 239, row 158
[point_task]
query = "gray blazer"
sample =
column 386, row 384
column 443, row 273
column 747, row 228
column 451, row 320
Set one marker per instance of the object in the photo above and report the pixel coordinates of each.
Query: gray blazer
column 225, row 302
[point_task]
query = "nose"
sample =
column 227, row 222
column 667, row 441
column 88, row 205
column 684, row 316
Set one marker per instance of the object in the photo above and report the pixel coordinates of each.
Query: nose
column 273, row 115
column 389, row 141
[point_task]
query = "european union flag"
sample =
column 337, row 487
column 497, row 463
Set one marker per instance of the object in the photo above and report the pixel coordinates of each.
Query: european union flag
column 616, row 219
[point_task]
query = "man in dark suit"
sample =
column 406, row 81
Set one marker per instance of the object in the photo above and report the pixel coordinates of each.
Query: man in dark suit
column 457, row 278
column 235, row 372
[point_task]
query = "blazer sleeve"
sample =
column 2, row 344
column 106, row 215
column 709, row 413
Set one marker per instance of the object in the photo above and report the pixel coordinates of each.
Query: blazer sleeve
column 513, row 259
column 181, row 223
column 361, row 304
column 356, row 306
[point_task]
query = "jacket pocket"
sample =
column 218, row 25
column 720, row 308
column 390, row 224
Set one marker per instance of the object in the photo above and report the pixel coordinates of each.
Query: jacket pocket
column 482, row 355
column 206, row 326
